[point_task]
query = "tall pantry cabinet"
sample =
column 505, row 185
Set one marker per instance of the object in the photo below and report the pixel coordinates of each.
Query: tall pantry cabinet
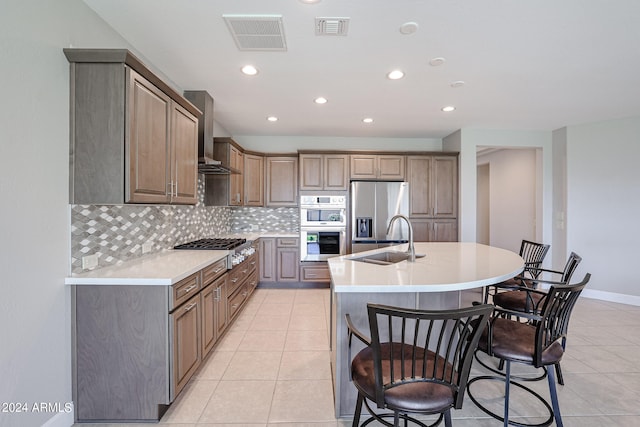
column 433, row 197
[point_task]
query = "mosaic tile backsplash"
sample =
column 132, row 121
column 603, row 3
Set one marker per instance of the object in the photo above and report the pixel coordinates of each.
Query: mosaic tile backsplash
column 116, row 233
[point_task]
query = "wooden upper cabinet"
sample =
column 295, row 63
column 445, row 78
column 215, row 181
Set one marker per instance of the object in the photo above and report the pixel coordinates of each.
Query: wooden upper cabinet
column 281, row 187
column 149, row 142
column 324, row 172
column 385, row 167
column 253, row 180
column 226, row 189
column 133, row 138
column 184, row 158
column 433, row 186
column 445, row 193
column 237, row 182
column 162, row 147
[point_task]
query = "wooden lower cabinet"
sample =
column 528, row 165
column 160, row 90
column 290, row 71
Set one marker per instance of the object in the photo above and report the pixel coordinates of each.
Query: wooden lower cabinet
column 185, row 339
column 214, row 313
column 434, row 230
column 315, row 272
column 279, row 259
column 137, row 346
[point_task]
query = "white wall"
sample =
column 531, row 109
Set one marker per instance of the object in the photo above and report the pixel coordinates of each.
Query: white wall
column 35, row 347
column 290, row 144
column 603, row 205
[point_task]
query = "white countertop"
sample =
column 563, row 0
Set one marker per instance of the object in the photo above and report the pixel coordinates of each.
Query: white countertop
column 447, row 266
column 161, row 269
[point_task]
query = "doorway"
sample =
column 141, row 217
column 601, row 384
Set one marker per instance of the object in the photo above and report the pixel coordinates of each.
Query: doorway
column 507, row 196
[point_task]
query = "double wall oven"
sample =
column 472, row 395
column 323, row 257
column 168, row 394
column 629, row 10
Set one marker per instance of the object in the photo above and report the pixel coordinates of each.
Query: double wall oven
column 323, row 225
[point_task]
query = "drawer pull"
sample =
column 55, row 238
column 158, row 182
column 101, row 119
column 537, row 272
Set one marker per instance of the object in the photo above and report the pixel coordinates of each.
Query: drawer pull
column 234, row 280
column 217, row 270
column 234, row 306
column 190, row 288
column 188, row 308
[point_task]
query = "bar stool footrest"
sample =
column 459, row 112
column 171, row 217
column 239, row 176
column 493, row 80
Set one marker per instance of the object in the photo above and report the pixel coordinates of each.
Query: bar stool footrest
column 517, row 384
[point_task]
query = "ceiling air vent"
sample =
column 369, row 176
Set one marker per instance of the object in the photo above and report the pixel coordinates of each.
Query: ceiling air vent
column 332, row 26
column 257, row 32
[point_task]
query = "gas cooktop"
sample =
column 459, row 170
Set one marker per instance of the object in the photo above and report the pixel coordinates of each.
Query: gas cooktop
column 212, row 244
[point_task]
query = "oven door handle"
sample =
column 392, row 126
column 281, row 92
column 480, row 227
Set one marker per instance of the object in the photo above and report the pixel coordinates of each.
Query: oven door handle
column 321, row 228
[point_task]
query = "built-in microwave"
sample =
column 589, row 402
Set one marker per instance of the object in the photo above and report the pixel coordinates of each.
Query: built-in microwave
column 323, row 211
column 323, row 224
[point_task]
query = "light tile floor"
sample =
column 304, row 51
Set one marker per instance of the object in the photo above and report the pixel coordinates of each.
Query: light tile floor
column 272, row 369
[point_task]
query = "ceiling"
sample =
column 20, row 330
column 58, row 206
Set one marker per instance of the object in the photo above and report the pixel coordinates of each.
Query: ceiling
column 534, row 65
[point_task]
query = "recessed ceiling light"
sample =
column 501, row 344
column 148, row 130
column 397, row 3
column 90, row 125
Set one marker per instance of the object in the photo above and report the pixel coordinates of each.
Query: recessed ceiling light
column 272, row 118
column 436, row 62
column 408, row 28
column 458, row 83
column 448, row 108
column 320, row 100
column 310, row 1
column 249, row 70
column 395, row 75
column 367, row 120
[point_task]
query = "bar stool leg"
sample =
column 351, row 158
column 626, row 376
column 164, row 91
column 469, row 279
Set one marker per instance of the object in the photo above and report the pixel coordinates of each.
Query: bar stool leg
column 507, row 383
column 554, row 395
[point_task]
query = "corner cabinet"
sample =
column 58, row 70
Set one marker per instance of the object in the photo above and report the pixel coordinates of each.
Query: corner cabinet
column 322, row 172
column 281, row 186
column 133, row 138
column 279, row 259
column 433, row 197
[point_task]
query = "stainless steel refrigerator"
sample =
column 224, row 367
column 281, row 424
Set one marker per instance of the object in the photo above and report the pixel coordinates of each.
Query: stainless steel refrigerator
column 372, row 206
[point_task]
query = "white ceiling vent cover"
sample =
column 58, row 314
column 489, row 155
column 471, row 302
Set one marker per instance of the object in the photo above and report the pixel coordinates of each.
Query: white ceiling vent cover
column 332, row 26
column 257, row 32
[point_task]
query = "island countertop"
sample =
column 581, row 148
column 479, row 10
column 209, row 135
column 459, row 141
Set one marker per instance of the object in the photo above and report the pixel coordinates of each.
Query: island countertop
column 447, row 266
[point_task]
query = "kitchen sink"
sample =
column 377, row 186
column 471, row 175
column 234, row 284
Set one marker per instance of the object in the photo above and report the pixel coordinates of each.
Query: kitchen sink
column 383, row 258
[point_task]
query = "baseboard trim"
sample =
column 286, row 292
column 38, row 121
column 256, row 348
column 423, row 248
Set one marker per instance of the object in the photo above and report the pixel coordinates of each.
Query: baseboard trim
column 61, row 419
column 611, row 297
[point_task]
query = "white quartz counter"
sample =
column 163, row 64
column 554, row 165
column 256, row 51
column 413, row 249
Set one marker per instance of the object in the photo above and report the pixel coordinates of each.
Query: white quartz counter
column 163, row 269
column 447, row 266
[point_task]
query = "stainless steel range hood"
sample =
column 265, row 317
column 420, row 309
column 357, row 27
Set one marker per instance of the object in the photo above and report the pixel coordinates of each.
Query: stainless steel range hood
column 206, row 163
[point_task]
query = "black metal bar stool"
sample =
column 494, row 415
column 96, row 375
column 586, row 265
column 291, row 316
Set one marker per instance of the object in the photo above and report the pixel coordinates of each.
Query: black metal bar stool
column 538, row 342
column 416, row 362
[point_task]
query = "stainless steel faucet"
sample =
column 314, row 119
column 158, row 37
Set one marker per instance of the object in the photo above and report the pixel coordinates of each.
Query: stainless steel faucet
column 411, row 250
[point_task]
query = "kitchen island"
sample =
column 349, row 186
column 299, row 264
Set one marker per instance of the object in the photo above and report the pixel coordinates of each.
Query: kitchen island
column 433, row 281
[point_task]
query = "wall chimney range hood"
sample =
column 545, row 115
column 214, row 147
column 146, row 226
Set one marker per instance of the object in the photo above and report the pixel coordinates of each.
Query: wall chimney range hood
column 207, row 165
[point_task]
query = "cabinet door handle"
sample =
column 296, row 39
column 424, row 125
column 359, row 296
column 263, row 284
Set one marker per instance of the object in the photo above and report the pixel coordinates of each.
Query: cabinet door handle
column 217, row 297
column 176, row 189
column 234, row 280
column 188, row 308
